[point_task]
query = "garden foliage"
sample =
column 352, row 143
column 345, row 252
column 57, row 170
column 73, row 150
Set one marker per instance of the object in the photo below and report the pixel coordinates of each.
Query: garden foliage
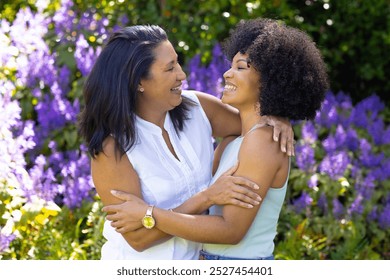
column 338, row 203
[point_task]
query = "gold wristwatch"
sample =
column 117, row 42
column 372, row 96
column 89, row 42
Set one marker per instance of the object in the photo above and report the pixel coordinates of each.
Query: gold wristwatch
column 148, row 220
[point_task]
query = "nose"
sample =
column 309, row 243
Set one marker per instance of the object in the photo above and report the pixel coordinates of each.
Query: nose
column 227, row 74
column 181, row 75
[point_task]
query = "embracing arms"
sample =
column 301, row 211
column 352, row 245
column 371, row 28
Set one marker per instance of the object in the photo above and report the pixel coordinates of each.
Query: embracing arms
column 267, row 166
column 110, row 172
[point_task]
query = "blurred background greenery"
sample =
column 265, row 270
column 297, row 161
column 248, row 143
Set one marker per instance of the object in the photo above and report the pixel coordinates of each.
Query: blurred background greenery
column 354, row 35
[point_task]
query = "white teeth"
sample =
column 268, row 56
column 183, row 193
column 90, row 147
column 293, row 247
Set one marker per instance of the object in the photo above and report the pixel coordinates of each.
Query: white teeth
column 230, row 87
column 176, row 88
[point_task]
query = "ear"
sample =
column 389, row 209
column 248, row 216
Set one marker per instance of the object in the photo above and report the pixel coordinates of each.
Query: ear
column 140, row 88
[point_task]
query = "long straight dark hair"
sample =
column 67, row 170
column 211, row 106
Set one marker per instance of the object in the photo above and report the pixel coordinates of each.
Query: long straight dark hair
column 110, row 90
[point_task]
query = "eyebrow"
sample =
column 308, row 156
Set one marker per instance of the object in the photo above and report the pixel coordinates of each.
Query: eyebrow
column 242, row 59
column 171, row 63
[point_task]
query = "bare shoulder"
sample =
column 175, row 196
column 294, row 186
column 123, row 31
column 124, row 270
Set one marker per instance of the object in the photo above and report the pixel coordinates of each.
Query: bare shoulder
column 260, row 138
column 109, row 152
column 208, row 102
column 261, row 156
column 204, row 96
column 109, row 146
column 259, row 145
column 110, row 156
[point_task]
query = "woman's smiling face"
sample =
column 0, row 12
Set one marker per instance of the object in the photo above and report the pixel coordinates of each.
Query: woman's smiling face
column 242, row 83
column 162, row 87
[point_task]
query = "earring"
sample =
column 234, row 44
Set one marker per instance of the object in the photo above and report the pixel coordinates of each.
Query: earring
column 141, row 89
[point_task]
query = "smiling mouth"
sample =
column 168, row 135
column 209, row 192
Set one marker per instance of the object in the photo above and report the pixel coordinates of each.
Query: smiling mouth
column 229, row 87
column 176, row 88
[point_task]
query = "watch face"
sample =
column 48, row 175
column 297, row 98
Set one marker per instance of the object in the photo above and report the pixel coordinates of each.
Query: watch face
column 148, row 222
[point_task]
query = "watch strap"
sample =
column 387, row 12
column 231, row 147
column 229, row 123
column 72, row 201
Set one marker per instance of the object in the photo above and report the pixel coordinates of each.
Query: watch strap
column 149, row 211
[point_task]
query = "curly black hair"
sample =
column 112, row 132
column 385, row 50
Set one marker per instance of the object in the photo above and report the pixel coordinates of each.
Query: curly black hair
column 293, row 77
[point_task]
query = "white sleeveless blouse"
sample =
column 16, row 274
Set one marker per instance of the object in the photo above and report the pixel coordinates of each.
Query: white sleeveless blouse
column 167, row 182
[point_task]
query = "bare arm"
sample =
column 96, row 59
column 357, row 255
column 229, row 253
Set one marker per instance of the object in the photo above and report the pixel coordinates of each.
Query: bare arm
column 228, row 189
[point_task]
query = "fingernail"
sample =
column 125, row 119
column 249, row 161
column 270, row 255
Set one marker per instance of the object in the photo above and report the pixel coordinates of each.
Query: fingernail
column 256, row 187
column 113, row 191
column 250, row 206
column 276, row 139
column 283, row 149
column 259, row 198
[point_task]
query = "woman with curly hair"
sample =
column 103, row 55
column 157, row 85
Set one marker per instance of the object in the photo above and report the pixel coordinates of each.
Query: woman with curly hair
column 276, row 70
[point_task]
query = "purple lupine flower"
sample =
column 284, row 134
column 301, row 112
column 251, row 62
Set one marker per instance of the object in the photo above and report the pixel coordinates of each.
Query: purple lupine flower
column 373, row 215
column 376, row 130
column 338, row 208
column 88, row 21
column 44, row 181
column 384, row 217
column 368, row 159
column 6, row 51
column 323, row 203
column 49, row 117
column 208, row 78
column 367, row 111
column 197, row 77
column 85, row 55
column 386, row 136
column 365, row 186
column 330, row 144
column 73, row 170
column 305, row 157
column 16, row 138
column 309, row 132
column 11, row 110
column 5, row 241
column 385, row 167
column 77, row 181
column 217, row 67
column 328, row 115
column 33, row 61
column 335, row 164
column 64, row 79
column 356, row 206
column 63, row 19
column 27, row 31
column 302, row 202
column 336, row 142
column 352, row 139
column 381, row 172
column 123, row 20
column 364, row 146
column 356, row 170
column 344, row 104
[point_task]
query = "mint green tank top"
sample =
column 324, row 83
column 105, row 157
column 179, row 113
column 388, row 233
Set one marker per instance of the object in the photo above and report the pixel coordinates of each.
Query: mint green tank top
column 258, row 242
